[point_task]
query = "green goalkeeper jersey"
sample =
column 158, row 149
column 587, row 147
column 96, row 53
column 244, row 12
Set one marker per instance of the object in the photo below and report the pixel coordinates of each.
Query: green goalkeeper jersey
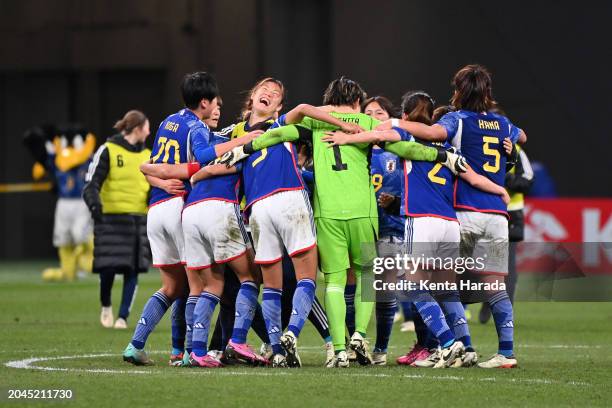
column 342, row 189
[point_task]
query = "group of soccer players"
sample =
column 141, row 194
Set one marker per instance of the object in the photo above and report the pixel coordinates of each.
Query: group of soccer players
column 448, row 183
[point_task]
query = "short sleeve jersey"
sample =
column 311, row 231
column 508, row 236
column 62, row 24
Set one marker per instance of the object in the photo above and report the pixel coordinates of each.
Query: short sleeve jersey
column 479, row 137
column 343, row 189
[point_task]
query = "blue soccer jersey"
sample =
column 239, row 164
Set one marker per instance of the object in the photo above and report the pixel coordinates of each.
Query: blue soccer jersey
column 223, row 188
column 271, row 170
column 479, row 137
column 427, row 189
column 181, row 137
column 387, row 176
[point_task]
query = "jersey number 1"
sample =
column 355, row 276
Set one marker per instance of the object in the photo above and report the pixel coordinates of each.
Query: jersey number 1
column 338, row 166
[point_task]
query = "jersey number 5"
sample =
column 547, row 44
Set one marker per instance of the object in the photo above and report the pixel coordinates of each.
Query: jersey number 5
column 486, row 149
column 164, row 147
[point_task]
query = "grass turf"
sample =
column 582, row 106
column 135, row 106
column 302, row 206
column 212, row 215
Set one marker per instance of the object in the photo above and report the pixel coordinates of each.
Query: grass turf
column 564, row 352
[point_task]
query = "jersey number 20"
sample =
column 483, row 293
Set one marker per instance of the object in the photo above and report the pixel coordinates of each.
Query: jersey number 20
column 164, row 147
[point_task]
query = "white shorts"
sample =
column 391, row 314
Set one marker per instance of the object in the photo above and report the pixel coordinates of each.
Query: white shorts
column 166, row 233
column 282, row 219
column 214, row 233
column 73, row 224
column 485, row 236
column 431, row 237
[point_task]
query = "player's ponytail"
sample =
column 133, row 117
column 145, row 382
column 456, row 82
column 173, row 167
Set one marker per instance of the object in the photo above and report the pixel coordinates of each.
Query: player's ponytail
column 418, row 106
column 131, row 120
column 473, row 89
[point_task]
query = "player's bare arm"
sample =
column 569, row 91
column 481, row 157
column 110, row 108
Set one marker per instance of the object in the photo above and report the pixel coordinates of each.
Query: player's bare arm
column 374, row 136
column 212, row 170
column 484, row 184
column 433, row 133
column 297, row 114
column 170, row 186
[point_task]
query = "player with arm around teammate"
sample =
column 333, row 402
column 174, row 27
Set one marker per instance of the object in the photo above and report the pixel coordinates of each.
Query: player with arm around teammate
column 479, row 135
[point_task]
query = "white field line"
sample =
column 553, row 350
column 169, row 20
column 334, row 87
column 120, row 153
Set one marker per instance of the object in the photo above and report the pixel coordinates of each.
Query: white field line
column 30, row 364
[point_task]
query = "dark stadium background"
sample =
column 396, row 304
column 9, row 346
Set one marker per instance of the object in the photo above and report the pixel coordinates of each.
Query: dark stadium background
column 90, row 61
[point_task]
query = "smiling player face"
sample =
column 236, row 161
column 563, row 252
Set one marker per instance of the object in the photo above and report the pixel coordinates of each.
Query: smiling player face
column 267, row 99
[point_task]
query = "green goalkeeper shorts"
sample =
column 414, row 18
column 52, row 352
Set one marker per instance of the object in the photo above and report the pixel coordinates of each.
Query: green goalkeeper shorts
column 343, row 243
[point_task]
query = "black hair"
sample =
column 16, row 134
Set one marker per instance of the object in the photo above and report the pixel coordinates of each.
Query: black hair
column 384, row 103
column 473, row 89
column 197, row 86
column 343, row 91
column 418, row 106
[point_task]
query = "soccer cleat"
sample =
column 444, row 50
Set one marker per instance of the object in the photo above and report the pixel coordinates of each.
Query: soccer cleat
column 206, row 361
column 329, row 353
column 379, row 358
column 136, row 356
column 266, row 351
column 186, row 362
column 407, row 326
column 360, row 346
column 340, row 360
column 106, row 317
column 430, row 361
column 120, row 324
column 499, row 361
column 243, row 353
column 449, row 354
column 352, row 356
column 176, row 360
column 288, row 342
column 469, row 359
column 418, row 352
column 279, row 361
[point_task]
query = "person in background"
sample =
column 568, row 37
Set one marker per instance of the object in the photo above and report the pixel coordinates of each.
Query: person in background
column 116, row 195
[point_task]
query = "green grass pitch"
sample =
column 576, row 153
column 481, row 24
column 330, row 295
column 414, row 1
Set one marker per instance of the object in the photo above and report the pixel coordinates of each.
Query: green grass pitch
column 564, row 352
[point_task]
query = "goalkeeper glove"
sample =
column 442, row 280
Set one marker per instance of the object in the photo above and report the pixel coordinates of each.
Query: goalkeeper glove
column 236, row 154
column 455, row 162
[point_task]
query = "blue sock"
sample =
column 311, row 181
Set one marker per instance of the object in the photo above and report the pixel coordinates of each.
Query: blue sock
column 385, row 312
column 246, row 304
column 271, row 306
column 455, row 315
column 189, row 306
column 349, row 299
column 501, row 308
column 432, row 316
column 201, row 322
column 178, row 325
column 407, row 311
column 302, row 303
column 425, row 338
column 152, row 313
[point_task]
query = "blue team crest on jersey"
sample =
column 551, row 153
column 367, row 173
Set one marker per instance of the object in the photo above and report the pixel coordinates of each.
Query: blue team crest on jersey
column 390, row 165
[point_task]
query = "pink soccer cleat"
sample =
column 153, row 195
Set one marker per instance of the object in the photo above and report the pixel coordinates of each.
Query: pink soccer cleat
column 243, row 353
column 418, row 352
column 207, row 361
